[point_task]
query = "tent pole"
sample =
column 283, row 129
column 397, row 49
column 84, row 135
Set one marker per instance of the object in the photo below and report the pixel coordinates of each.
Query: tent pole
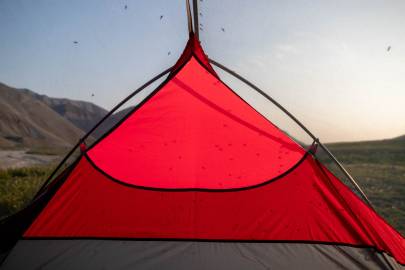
column 116, row 107
column 196, row 24
column 189, row 18
column 233, row 73
column 135, row 92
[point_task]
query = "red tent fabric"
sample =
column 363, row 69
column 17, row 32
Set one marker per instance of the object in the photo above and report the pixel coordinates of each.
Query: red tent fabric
column 183, row 137
column 194, row 177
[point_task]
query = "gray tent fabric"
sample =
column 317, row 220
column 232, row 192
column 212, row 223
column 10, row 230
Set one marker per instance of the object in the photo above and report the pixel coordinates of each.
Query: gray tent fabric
column 178, row 255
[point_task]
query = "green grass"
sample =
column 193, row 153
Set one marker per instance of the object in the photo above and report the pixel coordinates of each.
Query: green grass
column 390, row 152
column 18, row 187
column 379, row 169
column 385, row 187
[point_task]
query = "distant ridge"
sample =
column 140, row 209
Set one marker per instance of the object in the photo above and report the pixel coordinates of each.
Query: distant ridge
column 82, row 114
column 32, row 120
column 28, row 122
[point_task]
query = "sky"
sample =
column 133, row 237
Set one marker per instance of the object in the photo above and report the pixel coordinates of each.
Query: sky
column 327, row 62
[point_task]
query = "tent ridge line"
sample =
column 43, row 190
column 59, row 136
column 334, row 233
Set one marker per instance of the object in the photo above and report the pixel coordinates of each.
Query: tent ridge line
column 265, row 95
column 310, row 148
column 155, row 91
column 214, row 190
column 138, row 106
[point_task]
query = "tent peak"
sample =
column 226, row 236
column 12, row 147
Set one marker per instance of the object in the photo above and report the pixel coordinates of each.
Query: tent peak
column 194, row 48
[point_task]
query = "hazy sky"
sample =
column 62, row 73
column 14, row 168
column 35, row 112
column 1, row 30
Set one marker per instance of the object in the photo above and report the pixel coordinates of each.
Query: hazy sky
column 326, row 61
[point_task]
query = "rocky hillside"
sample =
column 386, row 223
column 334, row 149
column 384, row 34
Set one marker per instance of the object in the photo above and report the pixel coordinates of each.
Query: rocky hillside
column 31, row 120
column 26, row 121
column 82, row 114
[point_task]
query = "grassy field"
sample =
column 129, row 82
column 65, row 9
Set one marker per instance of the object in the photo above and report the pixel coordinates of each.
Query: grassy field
column 378, row 166
column 18, row 186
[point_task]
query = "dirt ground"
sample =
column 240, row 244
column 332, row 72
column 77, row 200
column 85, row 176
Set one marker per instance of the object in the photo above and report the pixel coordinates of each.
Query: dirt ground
column 20, row 158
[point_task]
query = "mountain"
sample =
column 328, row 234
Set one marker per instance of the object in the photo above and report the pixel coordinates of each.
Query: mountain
column 26, row 121
column 82, row 114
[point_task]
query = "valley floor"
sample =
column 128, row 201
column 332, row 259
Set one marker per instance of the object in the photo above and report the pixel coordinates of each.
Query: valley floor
column 24, row 158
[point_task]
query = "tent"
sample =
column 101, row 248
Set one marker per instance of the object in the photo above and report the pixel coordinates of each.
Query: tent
column 195, row 178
